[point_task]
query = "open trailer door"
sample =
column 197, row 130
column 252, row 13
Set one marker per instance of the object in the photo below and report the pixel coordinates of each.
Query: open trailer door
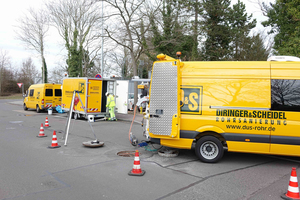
column 165, row 99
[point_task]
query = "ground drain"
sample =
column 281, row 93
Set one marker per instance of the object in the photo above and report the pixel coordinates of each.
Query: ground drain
column 126, row 153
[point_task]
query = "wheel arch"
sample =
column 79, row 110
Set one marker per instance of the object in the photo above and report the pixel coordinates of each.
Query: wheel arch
column 214, row 134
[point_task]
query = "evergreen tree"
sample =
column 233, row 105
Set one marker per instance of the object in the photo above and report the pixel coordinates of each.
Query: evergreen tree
column 284, row 19
column 193, row 8
column 241, row 25
column 217, row 29
column 256, row 50
column 173, row 37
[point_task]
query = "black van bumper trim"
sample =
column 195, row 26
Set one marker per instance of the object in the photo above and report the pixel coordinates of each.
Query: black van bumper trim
column 237, row 137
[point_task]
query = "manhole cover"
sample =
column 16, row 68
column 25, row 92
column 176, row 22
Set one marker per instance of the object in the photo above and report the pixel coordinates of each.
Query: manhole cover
column 126, row 153
column 168, row 153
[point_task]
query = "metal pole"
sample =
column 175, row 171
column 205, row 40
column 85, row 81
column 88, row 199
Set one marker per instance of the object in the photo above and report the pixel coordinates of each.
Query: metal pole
column 69, row 119
column 102, row 66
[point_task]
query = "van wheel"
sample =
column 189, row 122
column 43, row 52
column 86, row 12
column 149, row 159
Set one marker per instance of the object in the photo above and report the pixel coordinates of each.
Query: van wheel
column 76, row 116
column 25, row 107
column 209, row 149
column 38, row 110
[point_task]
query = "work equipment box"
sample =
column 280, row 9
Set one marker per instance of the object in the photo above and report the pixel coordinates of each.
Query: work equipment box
column 92, row 94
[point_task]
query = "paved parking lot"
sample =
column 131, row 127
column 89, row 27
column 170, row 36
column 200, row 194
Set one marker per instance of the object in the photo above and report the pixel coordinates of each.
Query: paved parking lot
column 30, row 170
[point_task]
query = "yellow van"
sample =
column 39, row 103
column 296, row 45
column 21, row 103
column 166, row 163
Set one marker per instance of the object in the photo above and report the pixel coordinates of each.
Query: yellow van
column 42, row 96
column 239, row 106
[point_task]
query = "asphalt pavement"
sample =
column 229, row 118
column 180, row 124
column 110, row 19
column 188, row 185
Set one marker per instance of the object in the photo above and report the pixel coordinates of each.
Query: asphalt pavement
column 32, row 171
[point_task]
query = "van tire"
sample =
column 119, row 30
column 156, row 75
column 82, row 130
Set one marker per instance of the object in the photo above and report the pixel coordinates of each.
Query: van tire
column 38, row 110
column 25, row 107
column 209, row 149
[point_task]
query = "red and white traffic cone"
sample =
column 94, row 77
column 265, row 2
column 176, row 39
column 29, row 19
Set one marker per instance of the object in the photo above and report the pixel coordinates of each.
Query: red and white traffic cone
column 293, row 189
column 46, row 122
column 41, row 134
column 136, row 170
column 54, row 141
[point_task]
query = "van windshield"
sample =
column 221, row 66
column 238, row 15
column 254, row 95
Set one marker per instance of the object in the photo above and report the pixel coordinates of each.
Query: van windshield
column 49, row 93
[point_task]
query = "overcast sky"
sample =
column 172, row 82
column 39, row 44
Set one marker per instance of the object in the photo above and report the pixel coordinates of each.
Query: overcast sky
column 11, row 10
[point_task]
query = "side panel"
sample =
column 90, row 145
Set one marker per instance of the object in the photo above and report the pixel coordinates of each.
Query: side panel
column 164, row 102
column 232, row 98
column 94, row 96
column 69, row 85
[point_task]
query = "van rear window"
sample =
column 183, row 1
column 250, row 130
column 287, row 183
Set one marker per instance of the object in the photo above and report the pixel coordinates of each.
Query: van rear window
column 49, row 93
column 57, row 92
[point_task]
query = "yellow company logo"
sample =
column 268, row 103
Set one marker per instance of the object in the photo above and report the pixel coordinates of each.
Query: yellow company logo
column 191, row 99
column 81, row 87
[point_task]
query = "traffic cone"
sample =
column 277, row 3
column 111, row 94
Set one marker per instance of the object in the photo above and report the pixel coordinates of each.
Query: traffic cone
column 136, row 170
column 293, row 189
column 54, row 141
column 46, row 122
column 42, row 134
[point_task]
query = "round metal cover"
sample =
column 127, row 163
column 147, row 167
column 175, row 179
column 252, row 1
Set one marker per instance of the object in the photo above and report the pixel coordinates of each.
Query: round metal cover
column 93, row 144
column 168, row 153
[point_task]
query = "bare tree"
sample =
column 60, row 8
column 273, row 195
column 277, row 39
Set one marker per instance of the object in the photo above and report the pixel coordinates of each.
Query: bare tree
column 32, row 30
column 4, row 63
column 27, row 73
column 128, row 23
column 77, row 22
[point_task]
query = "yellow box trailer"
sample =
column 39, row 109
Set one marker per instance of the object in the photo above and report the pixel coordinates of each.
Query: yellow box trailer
column 42, row 96
column 92, row 93
column 250, row 107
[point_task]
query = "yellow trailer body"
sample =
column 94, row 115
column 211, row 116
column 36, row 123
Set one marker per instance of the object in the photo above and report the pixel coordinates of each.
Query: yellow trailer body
column 89, row 90
column 92, row 94
column 250, row 107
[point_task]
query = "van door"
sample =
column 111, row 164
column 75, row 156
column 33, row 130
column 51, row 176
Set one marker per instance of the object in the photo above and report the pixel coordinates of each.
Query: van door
column 285, row 99
column 94, row 96
column 48, row 97
column 31, row 99
column 285, row 137
column 165, row 99
column 57, row 97
column 122, row 96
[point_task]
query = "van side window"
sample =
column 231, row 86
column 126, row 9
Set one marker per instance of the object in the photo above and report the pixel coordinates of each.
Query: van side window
column 57, row 92
column 31, row 92
column 49, row 93
column 285, row 95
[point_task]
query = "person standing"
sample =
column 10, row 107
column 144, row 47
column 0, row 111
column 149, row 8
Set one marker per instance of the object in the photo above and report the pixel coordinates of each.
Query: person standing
column 110, row 103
